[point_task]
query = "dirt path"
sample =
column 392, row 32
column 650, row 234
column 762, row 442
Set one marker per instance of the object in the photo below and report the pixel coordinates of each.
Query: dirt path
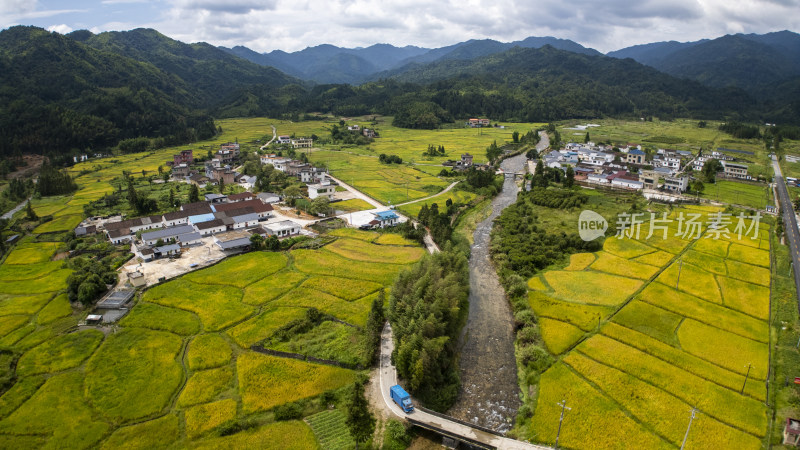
column 274, row 136
column 489, row 389
column 447, row 189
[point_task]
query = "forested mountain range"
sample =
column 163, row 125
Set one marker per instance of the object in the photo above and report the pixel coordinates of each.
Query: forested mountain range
column 753, row 62
column 68, row 94
column 331, row 64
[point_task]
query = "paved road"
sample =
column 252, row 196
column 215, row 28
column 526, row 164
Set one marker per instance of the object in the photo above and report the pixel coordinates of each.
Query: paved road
column 8, row 215
column 357, row 193
column 789, row 223
column 387, row 377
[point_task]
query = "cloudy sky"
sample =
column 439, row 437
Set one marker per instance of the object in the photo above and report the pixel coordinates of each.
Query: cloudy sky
column 291, row 25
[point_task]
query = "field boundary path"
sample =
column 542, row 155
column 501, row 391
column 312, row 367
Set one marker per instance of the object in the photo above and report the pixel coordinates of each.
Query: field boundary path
column 789, row 223
column 440, row 423
column 444, row 191
column 274, row 136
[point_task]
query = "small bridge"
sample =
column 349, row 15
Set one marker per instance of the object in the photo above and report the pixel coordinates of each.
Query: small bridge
column 515, row 175
column 449, row 427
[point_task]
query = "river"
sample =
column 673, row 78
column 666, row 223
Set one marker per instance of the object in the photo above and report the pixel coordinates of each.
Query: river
column 489, row 393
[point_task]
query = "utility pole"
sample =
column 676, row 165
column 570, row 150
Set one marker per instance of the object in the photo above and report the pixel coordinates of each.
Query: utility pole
column 745, row 378
column 563, row 406
column 680, row 266
column 691, row 417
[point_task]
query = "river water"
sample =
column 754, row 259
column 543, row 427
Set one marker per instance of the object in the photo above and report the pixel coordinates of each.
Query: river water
column 489, row 393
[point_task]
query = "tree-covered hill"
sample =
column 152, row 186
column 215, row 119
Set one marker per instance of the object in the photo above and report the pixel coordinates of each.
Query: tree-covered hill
column 214, row 74
column 551, row 84
column 59, row 94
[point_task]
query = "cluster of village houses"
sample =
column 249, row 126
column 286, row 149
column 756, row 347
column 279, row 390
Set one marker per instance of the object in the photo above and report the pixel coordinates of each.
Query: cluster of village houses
column 230, row 220
column 599, row 164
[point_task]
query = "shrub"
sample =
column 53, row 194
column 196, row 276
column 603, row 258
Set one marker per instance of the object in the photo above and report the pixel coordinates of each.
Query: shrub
column 290, row 411
column 535, row 358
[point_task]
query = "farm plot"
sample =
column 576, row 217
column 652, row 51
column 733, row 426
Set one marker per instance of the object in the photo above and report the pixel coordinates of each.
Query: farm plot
column 134, row 373
column 388, row 183
column 267, row 381
column 331, row 431
column 687, row 338
column 208, row 350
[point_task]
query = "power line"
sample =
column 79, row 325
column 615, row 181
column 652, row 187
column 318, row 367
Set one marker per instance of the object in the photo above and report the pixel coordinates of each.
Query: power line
column 745, row 378
column 563, row 405
column 691, row 417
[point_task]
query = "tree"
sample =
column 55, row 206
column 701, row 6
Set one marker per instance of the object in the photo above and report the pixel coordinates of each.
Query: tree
column 257, row 241
column 221, row 186
column 360, row 420
column 587, row 138
column 292, row 191
column 30, row 213
column 569, row 180
column 375, row 322
column 698, row 186
column 272, row 243
column 320, row 205
column 532, row 154
column 493, row 152
column 710, row 169
column 194, row 194
column 515, row 137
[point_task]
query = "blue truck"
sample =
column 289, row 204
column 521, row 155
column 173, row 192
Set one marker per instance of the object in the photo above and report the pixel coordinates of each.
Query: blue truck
column 401, row 397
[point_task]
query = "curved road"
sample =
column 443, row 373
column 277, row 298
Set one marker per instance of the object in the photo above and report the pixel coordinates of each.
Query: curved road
column 387, row 377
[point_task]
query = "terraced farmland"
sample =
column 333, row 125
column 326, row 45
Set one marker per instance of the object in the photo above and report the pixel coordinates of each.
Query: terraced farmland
column 179, row 367
column 649, row 329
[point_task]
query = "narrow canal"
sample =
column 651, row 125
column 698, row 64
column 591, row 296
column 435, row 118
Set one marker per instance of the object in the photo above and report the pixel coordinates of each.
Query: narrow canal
column 489, row 390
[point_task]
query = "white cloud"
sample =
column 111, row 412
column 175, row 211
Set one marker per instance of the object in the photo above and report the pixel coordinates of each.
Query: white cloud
column 61, row 29
column 291, row 25
column 122, row 2
column 17, row 7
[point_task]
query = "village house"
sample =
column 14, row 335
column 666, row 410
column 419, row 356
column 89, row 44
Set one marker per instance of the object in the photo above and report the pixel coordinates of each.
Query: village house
column 369, row 133
column 184, row 157
column 622, row 179
column 181, row 171
column 207, row 228
column 244, row 196
column 233, row 240
column 321, row 190
column 282, row 229
column 137, row 279
column 166, row 250
column 477, row 123
column 216, row 198
column 268, row 197
column 302, row 143
column 284, row 139
column 384, row 219
column 791, row 432
column 166, row 234
column 735, row 170
column 676, row 183
column 635, row 156
column 353, row 128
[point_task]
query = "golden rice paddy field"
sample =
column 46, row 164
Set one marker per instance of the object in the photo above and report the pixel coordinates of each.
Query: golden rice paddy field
column 647, row 329
column 178, row 369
